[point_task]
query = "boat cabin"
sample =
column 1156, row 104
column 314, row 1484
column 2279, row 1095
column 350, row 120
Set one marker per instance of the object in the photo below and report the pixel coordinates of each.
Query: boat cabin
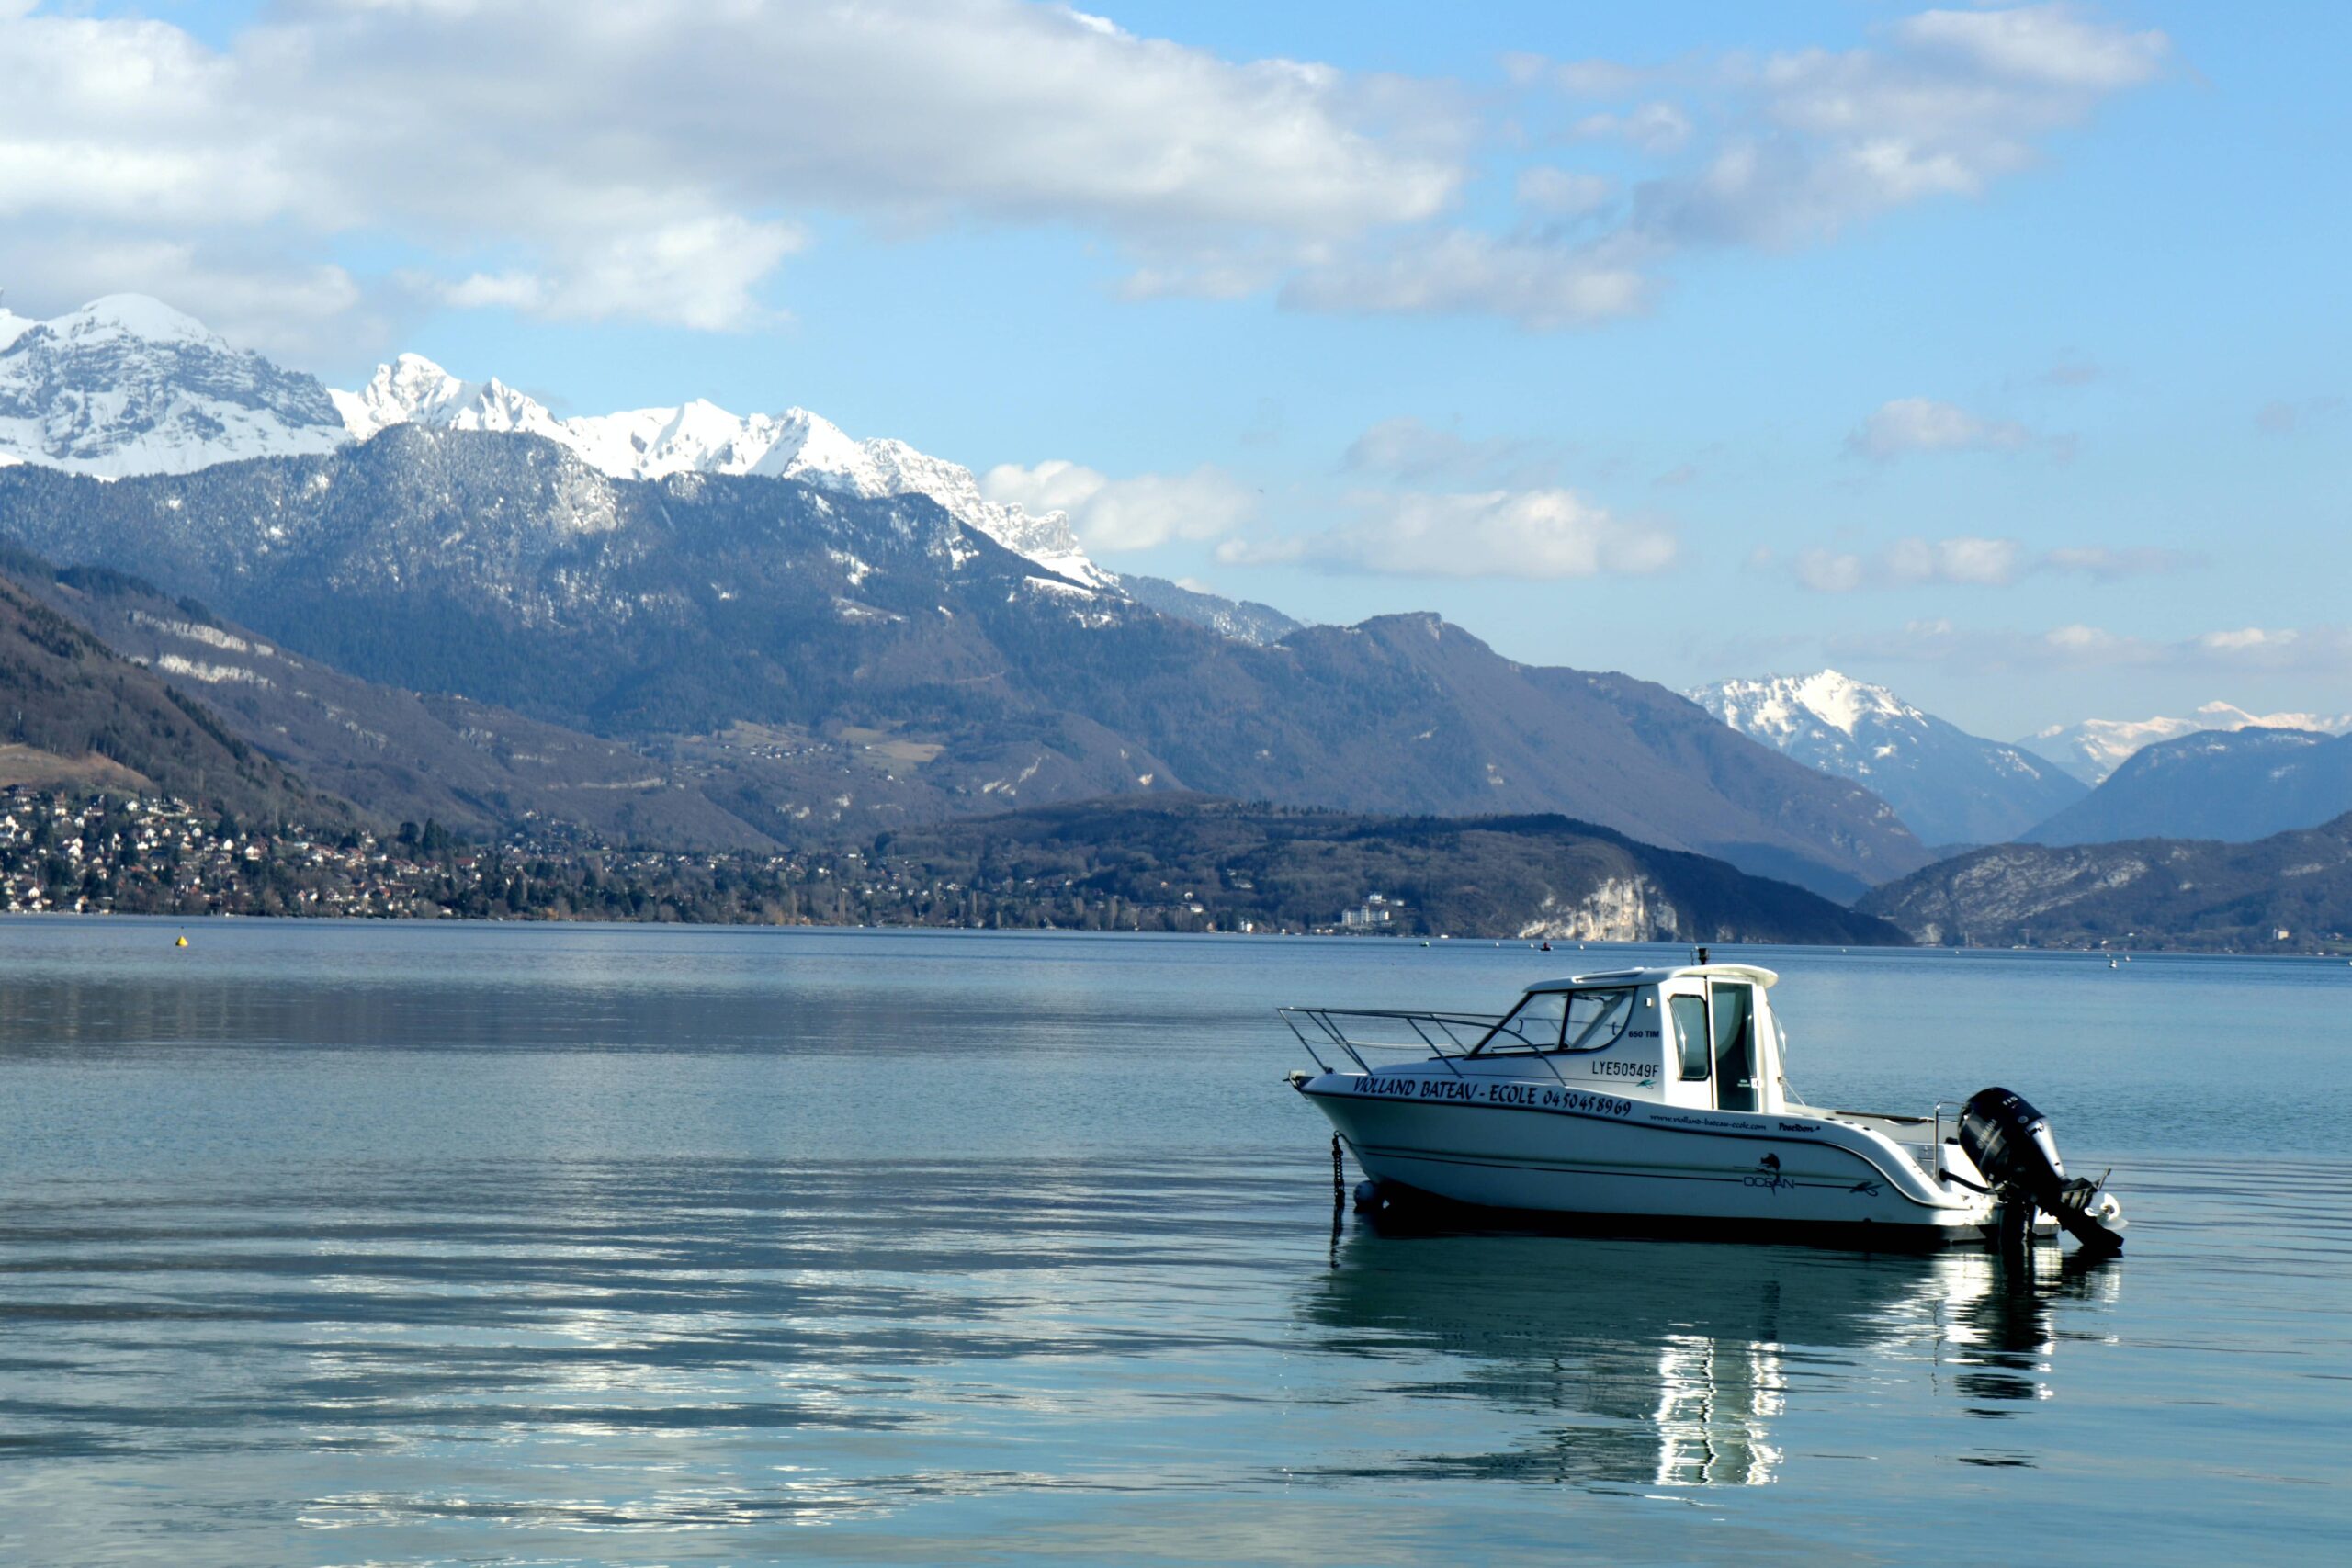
column 1699, row 1035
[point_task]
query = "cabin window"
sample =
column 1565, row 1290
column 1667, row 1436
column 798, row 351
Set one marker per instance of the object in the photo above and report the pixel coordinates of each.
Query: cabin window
column 1596, row 1018
column 1533, row 1025
column 1690, row 1034
column 1562, row 1021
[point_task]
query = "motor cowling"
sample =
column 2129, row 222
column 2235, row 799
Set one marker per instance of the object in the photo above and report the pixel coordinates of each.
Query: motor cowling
column 2011, row 1144
column 2011, row 1141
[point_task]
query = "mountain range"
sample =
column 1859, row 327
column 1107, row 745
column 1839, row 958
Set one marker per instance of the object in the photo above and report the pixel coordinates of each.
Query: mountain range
column 1949, row 787
column 2095, row 748
column 765, row 596
column 83, row 718
column 434, row 596
column 2236, row 785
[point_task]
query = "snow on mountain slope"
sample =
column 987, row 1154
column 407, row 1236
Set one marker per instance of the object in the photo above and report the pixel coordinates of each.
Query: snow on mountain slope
column 702, row 438
column 127, row 385
column 411, row 389
column 1949, row 787
column 2236, row 785
column 2094, row 748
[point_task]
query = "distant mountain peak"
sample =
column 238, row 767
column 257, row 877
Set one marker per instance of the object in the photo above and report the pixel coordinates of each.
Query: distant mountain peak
column 699, row 436
column 136, row 316
column 2094, row 748
column 2229, row 784
column 127, row 385
column 1783, row 703
column 1949, row 787
column 413, row 390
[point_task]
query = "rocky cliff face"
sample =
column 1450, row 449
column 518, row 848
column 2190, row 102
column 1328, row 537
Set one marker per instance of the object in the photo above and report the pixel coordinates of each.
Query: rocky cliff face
column 1616, row 908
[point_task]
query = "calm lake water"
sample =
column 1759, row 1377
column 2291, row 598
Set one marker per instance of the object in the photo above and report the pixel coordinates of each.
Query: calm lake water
column 352, row 1244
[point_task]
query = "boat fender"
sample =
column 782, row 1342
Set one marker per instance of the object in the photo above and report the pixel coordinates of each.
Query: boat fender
column 1367, row 1195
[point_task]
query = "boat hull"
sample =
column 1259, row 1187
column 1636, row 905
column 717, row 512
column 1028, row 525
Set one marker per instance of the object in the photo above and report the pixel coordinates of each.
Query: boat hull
column 1622, row 1159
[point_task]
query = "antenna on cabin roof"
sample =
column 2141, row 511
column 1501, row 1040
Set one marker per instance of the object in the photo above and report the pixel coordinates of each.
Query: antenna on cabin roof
column 1703, row 957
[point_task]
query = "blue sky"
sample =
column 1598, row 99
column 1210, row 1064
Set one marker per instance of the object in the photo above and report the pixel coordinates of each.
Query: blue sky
column 1996, row 353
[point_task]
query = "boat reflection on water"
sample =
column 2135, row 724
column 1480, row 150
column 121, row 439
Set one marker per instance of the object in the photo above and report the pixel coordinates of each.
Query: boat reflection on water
column 1660, row 1363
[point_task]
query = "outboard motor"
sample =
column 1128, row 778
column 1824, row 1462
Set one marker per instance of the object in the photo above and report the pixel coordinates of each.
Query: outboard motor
column 2011, row 1141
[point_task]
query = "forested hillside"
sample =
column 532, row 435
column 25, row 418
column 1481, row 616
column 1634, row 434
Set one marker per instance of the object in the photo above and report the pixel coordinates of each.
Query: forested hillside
column 2291, row 892
column 1495, row 877
column 79, row 716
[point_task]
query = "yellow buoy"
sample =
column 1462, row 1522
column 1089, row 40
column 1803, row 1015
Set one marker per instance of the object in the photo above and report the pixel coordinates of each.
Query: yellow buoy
column 183, row 940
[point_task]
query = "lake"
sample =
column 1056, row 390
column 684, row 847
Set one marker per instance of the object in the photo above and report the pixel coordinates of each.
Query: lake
column 345, row 1243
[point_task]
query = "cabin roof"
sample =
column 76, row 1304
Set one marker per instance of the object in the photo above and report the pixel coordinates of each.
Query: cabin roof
column 1657, row 975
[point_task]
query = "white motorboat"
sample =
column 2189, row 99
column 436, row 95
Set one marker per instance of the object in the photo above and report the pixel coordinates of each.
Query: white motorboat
column 1660, row 1095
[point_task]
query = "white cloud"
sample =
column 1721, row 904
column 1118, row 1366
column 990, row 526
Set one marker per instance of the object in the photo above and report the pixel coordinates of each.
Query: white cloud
column 1973, row 561
column 2074, row 371
column 1953, row 102
column 1923, row 424
column 2281, row 417
column 699, row 271
column 1984, row 562
column 254, row 295
column 2321, row 649
column 1560, row 193
column 2050, row 43
column 1409, row 449
column 1529, row 278
column 594, row 158
column 1788, row 149
column 599, row 157
column 1525, row 534
column 1655, row 128
column 1584, row 78
column 1137, row 514
column 1910, row 563
column 2110, row 565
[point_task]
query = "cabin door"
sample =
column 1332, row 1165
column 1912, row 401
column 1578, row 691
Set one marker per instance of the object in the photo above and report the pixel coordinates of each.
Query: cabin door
column 1694, row 1055
column 1732, row 1007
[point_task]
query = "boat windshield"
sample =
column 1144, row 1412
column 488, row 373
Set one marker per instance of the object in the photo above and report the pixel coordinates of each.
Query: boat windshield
column 1562, row 1021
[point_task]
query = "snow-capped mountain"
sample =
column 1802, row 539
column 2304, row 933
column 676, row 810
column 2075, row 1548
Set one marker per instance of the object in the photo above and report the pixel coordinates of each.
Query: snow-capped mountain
column 127, row 385
column 2239, row 784
column 2097, row 747
column 702, row 438
column 1949, row 787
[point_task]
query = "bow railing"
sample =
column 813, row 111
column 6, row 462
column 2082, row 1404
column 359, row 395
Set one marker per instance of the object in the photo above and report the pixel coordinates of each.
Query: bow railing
column 1426, row 1036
